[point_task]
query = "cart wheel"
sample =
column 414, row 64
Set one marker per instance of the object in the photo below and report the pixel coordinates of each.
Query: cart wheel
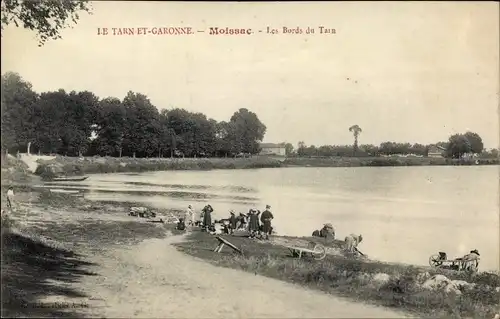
column 435, row 261
column 319, row 252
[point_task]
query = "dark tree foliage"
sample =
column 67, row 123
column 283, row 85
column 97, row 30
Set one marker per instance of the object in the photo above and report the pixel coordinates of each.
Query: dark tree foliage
column 457, row 146
column 461, row 144
column 356, row 130
column 79, row 123
column 18, row 111
column 246, row 130
column 47, row 18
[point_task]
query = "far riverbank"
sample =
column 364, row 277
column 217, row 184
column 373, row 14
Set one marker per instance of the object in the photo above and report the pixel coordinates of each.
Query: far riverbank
column 98, row 165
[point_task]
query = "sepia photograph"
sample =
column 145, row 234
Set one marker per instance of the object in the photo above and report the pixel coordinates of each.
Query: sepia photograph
column 239, row 159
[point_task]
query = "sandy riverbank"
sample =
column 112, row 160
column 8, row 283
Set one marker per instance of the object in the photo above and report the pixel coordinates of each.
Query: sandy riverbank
column 102, row 262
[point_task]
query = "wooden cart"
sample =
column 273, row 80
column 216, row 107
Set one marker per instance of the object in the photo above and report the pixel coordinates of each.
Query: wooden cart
column 440, row 260
column 314, row 250
column 223, row 242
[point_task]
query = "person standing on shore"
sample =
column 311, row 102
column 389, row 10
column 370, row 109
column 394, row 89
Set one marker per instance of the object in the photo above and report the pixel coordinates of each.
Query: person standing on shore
column 232, row 222
column 189, row 216
column 241, row 221
column 207, row 216
column 253, row 224
column 266, row 219
column 10, row 197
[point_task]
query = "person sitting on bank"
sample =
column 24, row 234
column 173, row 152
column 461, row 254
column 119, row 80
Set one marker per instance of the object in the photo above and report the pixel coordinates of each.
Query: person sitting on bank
column 181, row 225
column 352, row 241
column 266, row 219
column 471, row 257
column 327, row 232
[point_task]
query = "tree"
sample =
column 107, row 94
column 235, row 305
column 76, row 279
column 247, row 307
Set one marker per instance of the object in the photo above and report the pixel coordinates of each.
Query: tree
column 492, row 153
column 247, row 132
column 50, row 119
column 110, row 127
column 475, row 141
column 356, row 130
column 78, row 123
column 18, row 112
column 419, row 149
column 223, row 135
column 288, row 149
column 141, row 137
column 371, row 150
column 46, row 18
column 80, row 115
column 301, row 146
column 195, row 134
column 458, row 145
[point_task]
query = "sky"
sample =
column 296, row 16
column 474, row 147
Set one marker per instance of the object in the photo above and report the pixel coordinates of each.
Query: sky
column 402, row 71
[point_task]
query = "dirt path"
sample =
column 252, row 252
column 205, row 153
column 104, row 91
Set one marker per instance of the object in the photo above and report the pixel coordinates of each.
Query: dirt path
column 155, row 280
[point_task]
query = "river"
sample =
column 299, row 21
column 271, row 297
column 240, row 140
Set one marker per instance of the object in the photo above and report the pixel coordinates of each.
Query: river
column 405, row 214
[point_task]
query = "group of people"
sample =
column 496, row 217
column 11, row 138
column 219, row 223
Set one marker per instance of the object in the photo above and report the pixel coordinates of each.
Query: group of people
column 256, row 222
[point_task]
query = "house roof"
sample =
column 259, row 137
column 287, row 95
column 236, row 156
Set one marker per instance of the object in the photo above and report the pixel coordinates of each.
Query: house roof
column 272, row 145
column 439, row 147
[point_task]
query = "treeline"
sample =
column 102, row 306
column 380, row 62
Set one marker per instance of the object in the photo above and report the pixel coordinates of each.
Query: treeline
column 366, row 150
column 457, row 146
column 79, row 123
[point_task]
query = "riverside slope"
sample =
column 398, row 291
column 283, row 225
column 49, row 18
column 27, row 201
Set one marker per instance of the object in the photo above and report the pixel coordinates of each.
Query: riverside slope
column 154, row 280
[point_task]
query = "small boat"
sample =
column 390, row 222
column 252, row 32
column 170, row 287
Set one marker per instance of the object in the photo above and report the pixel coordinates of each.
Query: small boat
column 70, row 179
column 64, row 191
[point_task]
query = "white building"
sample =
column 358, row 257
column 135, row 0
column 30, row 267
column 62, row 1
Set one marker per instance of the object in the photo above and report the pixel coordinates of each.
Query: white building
column 435, row 151
column 272, row 149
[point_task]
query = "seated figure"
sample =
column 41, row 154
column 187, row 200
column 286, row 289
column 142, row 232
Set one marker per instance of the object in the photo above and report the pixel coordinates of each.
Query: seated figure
column 181, row 225
column 471, row 260
column 326, row 232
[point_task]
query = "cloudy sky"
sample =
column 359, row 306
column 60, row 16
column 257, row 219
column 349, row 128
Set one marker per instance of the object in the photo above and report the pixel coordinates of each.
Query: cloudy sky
column 414, row 72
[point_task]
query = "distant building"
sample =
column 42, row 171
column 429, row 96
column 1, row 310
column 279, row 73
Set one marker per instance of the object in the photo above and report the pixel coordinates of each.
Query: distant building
column 272, row 149
column 436, row 151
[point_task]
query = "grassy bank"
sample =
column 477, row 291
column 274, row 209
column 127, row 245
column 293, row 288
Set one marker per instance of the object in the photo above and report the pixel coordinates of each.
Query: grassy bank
column 89, row 165
column 390, row 285
column 14, row 169
column 380, row 161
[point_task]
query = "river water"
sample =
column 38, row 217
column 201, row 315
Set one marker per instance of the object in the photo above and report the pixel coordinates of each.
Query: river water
column 405, row 214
